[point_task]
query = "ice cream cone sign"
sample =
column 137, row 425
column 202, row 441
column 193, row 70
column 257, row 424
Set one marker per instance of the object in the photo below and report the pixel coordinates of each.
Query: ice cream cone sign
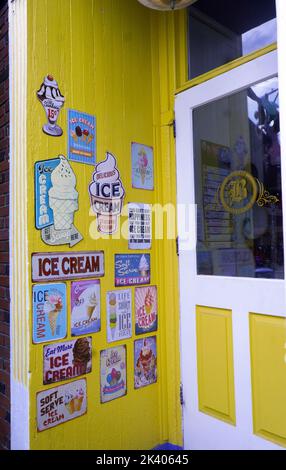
column 106, row 195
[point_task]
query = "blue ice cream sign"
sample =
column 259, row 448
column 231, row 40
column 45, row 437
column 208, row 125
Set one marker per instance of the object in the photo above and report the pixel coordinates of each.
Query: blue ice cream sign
column 81, row 137
column 43, row 183
column 132, row 269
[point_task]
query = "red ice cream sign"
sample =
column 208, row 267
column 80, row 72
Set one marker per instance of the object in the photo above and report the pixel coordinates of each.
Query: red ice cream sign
column 65, row 266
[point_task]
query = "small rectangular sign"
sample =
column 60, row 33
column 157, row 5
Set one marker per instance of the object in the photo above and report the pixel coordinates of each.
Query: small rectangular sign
column 49, row 312
column 140, row 226
column 146, row 311
column 67, row 265
column 113, row 373
column 85, row 307
column 64, row 361
column 119, row 315
column 58, row 405
column 145, row 362
column 81, row 137
column 43, row 212
column 142, row 166
column 132, row 269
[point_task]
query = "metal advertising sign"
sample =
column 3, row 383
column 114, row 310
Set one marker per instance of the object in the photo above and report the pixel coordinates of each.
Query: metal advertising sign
column 140, row 226
column 146, row 311
column 145, row 362
column 81, row 137
column 58, row 405
column 119, row 315
column 64, row 361
column 67, row 265
column 52, row 101
column 49, row 312
column 113, row 373
column 142, row 166
column 132, row 269
column 85, row 307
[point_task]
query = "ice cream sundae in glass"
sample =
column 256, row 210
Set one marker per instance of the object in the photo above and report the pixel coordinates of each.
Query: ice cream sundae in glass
column 52, row 101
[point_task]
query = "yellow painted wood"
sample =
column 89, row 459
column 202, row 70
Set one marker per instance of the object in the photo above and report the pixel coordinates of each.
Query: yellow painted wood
column 105, row 56
column 268, row 366
column 226, row 68
column 215, row 363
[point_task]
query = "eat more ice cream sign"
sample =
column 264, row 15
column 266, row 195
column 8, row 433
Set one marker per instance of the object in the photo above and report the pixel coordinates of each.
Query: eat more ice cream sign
column 65, row 266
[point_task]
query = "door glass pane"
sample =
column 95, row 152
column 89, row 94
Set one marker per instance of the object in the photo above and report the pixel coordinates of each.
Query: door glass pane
column 225, row 30
column 238, row 184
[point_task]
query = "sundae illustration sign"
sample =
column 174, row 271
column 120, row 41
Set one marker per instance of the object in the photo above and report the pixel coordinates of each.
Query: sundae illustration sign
column 119, row 318
column 52, row 101
column 82, row 137
column 106, row 195
column 113, row 373
column 145, row 366
column 146, row 310
column 132, row 270
column 85, row 307
column 142, row 166
column 49, row 312
column 56, row 202
column 61, row 404
column 63, row 361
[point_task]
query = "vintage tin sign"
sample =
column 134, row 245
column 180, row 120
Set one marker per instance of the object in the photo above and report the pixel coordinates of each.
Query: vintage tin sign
column 49, row 312
column 64, row 361
column 67, row 265
column 58, row 405
column 142, row 166
column 113, row 373
column 106, row 195
column 81, row 137
column 52, row 101
column 145, row 362
column 85, row 307
column 146, row 310
column 132, row 269
column 119, row 315
column 56, row 201
column 140, row 226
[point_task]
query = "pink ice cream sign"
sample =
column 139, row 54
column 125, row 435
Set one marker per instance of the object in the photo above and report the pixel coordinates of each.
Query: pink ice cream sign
column 107, row 194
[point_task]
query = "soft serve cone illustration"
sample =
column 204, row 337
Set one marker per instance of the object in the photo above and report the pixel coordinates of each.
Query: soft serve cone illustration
column 63, row 197
column 52, row 101
column 107, row 194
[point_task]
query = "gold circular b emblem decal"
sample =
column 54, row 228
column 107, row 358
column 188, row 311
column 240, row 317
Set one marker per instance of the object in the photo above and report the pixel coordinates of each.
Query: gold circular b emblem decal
column 238, row 192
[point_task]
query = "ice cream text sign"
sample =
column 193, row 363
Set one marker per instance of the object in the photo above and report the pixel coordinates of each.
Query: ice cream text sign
column 61, row 404
column 52, row 101
column 119, row 315
column 85, row 307
column 64, row 361
column 56, row 201
column 132, row 270
column 49, row 312
column 146, row 311
column 113, row 373
column 67, row 266
column 106, row 195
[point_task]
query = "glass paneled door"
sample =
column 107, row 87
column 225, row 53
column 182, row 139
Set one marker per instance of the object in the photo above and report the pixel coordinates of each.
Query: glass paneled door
column 231, row 252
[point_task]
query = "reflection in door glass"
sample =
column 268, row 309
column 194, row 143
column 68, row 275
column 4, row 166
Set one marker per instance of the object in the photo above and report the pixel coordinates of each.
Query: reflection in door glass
column 238, row 184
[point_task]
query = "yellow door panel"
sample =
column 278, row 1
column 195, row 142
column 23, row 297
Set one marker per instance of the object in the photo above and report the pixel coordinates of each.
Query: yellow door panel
column 215, row 363
column 268, row 364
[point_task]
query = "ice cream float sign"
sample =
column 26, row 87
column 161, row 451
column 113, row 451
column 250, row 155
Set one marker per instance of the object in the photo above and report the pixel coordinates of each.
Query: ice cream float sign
column 142, row 166
column 49, row 312
column 67, row 265
column 119, row 315
column 56, row 201
column 85, row 307
column 64, row 361
column 61, row 404
column 113, row 373
column 81, row 137
column 106, row 195
column 146, row 310
column 145, row 365
column 52, row 101
column 132, row 269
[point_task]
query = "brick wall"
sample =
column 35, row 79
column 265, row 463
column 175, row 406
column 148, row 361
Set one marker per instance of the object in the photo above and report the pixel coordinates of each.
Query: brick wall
column 4, row 232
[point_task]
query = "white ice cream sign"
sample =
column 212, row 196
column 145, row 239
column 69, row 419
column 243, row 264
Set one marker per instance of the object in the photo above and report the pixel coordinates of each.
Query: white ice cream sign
column 106, row 195
column 56, row 202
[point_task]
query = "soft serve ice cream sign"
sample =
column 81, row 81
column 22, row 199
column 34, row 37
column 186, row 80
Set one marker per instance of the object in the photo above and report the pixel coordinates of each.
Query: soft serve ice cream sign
column 106, row 195
column 56, row 202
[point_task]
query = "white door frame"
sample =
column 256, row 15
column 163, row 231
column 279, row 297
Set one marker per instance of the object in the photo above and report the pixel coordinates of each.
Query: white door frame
column 205, row 290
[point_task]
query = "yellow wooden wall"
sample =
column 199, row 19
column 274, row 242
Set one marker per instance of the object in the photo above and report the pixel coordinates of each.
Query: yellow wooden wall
column 114, row 59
